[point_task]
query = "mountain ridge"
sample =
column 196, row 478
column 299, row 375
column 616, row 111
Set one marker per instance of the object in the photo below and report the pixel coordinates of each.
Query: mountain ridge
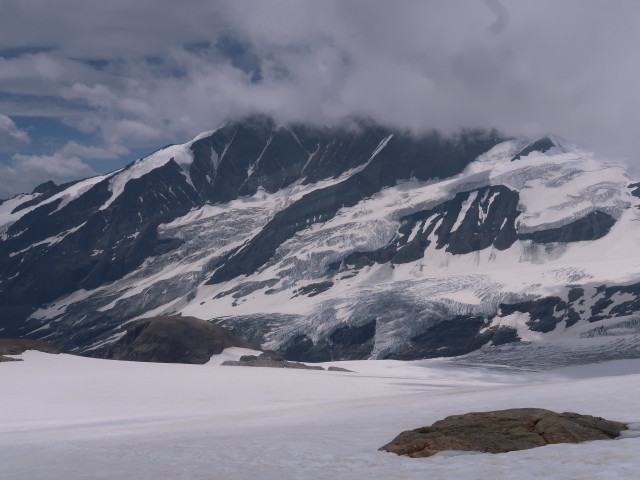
column 308, row 239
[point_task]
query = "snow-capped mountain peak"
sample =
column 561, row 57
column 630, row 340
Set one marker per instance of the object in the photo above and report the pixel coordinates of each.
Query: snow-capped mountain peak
column 332, row 242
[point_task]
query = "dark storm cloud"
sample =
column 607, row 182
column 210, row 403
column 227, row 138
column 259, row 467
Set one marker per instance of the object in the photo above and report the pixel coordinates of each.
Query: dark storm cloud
column 152, row 72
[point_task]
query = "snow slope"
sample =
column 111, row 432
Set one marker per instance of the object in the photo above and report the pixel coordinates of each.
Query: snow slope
column 76, row 418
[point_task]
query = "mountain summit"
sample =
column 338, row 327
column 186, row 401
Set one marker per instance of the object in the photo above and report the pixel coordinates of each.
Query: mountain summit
column 356, row 241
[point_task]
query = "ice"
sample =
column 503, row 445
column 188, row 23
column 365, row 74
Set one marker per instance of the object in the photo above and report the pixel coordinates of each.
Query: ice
column 50, row 240
column 255, row 164
column 65, row 196
column 517, row 321
column 555, row 188
column 498, row 155
column 414, row 231
column 7, row 207
column 76, row 418
column 485, row 212
column 380, row 146
column 181, row 154
column 463, row 211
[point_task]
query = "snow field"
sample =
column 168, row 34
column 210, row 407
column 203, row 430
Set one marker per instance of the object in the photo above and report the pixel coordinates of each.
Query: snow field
column 66, row 417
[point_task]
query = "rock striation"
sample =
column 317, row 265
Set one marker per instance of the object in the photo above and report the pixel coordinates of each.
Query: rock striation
column 503, row 431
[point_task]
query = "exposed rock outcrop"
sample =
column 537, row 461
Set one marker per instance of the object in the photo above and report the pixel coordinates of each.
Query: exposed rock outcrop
column 344, row 343
column 270, row 360
column 14, row 346
column 503, row 431
column 338, row 369
column 173, row 339
column 458, row 336
column 541, row 145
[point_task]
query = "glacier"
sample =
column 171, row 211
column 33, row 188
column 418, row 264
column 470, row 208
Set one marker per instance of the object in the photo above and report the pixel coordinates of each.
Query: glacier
column 351, row 248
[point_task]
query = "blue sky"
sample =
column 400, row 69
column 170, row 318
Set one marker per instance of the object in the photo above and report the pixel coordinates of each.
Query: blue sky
column 88, row 86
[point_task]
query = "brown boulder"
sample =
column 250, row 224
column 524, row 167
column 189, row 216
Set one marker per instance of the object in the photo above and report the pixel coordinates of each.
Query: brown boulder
column 173, row 339
column 503, row 431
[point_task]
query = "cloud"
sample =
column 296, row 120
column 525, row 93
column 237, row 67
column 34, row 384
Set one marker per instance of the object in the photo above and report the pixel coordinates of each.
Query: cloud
column 23, row 172
column 155, row 72
column 105, row 30
column 44, row 73
column 26, row 171
column 74, row 149
column 96, row 95
column 502, row 16
column 11, row 137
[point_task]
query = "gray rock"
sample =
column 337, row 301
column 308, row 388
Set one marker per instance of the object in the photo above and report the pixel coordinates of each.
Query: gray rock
column 344, row 343
column 503, row 431
column 269, row 360
column 173, row 340
column 14, row 346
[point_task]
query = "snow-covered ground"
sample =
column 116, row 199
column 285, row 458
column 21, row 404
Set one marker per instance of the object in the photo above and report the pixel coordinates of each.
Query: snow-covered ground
column 66, row 417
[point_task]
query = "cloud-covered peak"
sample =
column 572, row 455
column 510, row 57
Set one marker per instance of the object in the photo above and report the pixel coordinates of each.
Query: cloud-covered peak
column 144, row 75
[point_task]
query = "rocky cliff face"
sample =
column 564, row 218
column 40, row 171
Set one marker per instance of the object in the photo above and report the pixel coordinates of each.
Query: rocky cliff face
column 356, row 241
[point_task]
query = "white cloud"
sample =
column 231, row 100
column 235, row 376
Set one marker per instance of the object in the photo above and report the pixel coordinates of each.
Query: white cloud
column 11, row 137
column 44, row 73
column 74, row 149
column 96, row 95
column 56, row 165
column 557, row 66
column 23, row 172
column 26, row 171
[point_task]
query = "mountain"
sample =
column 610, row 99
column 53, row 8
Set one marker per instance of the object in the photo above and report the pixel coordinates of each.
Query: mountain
column 354, row 241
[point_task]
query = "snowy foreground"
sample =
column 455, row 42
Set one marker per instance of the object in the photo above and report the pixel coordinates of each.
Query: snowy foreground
column 66, row 417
